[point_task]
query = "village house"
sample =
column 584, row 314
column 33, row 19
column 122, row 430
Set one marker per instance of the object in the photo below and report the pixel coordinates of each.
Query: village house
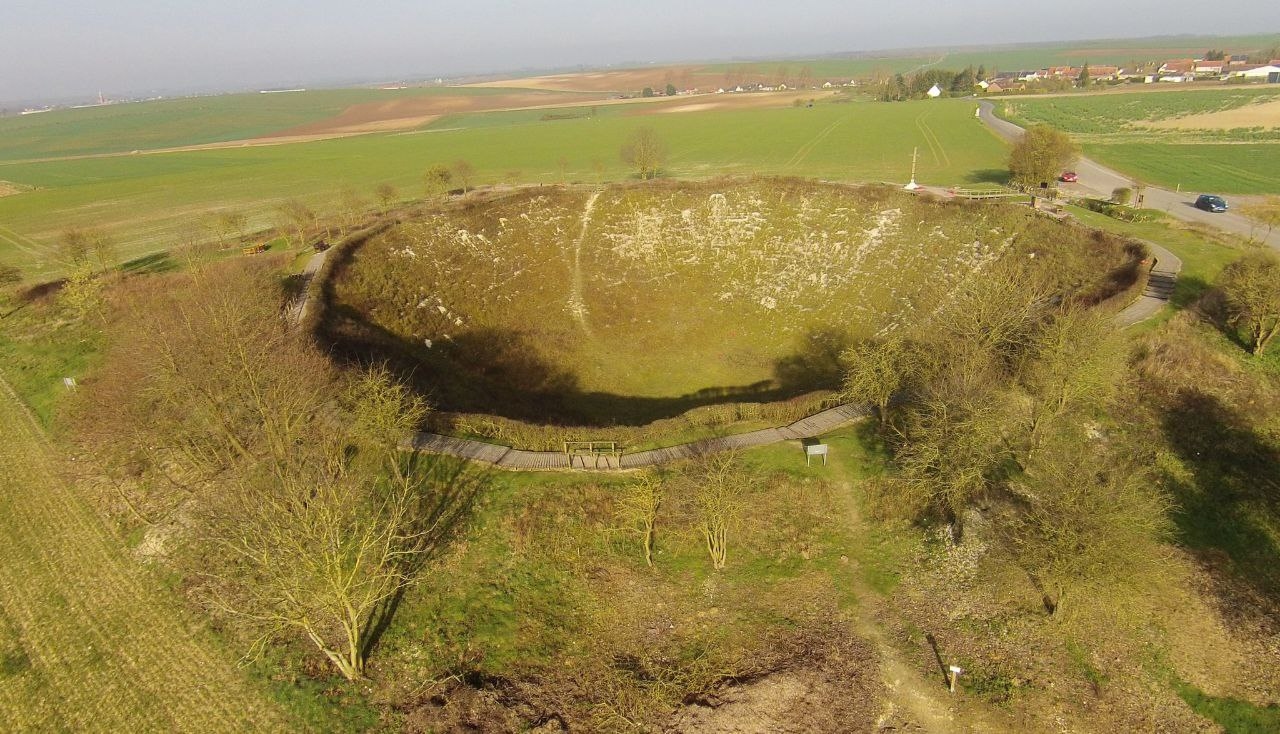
column 1261, row 71
column 1178, row 67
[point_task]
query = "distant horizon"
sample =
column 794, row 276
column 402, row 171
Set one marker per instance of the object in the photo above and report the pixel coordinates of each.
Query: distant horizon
column 333, row 80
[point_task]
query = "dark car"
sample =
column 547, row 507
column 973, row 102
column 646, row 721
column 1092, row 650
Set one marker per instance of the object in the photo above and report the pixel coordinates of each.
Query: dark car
column 1211, row 203
column 1069, row 177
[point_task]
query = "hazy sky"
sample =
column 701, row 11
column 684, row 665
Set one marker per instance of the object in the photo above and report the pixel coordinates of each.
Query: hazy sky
column 57, row 48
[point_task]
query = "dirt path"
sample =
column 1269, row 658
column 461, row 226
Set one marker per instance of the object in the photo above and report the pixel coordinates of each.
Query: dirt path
column 577, row 304
column 911, row 696
column 89, row 641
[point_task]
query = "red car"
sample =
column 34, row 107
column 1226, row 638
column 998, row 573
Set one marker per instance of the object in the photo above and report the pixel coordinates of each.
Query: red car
column 1069, row 177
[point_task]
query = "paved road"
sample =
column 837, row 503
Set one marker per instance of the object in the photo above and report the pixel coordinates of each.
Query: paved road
column 1097, row 180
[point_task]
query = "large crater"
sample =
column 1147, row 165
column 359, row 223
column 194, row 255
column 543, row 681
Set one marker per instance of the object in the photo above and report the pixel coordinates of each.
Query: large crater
column 632, row 303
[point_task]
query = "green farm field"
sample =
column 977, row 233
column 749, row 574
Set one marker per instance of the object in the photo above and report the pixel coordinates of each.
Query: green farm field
column 1173, row 139
column 124, row 128
column 151, row 202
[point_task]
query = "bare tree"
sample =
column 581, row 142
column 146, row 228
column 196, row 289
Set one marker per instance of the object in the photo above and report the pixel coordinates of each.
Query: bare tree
column 312, row 519
column 718, row 485
column 322, row 555
column 644, row 152
column 806, row 77
column 297, row 217
column 1087, row 525
column 1072, row 362
column 638, row 510
column 1251, row 286
column 86, row 247
column 464, row 172
column 86, row 255
column 1266, row 211
column 386, row 195
column 877, row 369
column 353, row 209
column 233, row 223
column 436, row 180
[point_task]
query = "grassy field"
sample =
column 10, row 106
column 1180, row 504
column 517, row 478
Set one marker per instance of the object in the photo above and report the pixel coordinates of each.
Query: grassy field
column 1117, row 130
column 152, row 202
column 89, row 641
column 551, row 583
column 1223, row 168
column 1105, row 117
column 123, row 128
column 637, row 303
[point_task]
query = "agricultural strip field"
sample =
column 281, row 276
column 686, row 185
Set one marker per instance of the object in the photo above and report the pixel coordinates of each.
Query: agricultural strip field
column 1227, row 141
column 124, row 128
column 88, row 641
column 152, row 202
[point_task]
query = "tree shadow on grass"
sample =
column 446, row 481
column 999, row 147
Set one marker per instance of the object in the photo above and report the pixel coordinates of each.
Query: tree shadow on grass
column 816, row 363
column 1229, row 501
column 501, row 372
column 448, row 489
column 156, row 262
column 988, row 175
column 1188, row 290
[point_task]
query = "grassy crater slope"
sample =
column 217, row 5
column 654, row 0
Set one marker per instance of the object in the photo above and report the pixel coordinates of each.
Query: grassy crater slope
column 633, row 303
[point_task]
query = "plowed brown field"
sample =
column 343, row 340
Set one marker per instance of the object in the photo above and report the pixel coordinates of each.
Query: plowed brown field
column 410, row 112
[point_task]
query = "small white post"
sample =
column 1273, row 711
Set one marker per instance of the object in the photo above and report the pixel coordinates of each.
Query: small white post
column 912, row 185
column 955, row 673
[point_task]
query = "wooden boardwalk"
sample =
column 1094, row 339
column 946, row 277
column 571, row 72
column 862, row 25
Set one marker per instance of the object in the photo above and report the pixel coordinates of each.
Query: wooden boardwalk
column 509, row 458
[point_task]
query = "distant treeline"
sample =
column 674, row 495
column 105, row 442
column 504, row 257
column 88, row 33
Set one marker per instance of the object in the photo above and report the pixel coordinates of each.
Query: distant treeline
column 917, row 85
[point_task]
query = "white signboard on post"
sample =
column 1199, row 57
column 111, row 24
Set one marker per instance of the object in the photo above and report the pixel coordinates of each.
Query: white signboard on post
column 815, row 449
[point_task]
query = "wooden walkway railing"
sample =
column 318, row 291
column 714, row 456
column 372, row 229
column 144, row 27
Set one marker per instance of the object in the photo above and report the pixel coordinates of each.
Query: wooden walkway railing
column 509, row 458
